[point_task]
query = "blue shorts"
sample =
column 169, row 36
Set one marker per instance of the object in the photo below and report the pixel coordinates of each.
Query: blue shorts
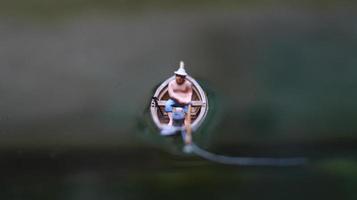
column 172, row 103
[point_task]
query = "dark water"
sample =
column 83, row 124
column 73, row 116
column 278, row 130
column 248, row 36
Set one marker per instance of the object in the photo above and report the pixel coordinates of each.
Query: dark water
column 76, row 80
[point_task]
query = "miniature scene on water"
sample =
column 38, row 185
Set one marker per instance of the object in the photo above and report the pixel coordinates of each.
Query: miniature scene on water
column 178, row 100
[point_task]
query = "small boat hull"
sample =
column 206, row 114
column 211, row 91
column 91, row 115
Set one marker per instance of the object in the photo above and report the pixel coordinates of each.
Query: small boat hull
column 199, row 104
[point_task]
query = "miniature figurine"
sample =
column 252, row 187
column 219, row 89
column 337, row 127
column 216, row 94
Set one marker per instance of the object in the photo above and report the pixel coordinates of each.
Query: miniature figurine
column 180, row 92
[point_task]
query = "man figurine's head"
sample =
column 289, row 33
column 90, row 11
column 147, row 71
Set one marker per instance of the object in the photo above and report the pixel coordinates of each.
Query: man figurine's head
column 181, row 74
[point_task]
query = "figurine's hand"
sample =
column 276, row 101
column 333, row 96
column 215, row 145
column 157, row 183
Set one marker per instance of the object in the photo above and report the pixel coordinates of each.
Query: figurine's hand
column 186, row 102
column 182, row 101
column 178, row 101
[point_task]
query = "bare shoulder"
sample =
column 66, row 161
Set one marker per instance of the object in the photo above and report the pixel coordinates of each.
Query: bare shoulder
column 188, row 83
column 171, row 82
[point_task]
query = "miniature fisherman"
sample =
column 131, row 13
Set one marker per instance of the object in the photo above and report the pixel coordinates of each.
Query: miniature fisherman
column 180, row 92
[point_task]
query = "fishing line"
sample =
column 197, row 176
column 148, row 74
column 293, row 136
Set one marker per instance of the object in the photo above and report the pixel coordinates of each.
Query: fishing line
column 244, row 161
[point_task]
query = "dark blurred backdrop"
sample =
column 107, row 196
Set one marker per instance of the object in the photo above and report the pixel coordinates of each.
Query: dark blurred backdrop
column 76, row 78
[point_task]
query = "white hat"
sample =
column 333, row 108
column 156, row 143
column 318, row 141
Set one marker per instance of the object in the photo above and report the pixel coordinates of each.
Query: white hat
column 181, row 71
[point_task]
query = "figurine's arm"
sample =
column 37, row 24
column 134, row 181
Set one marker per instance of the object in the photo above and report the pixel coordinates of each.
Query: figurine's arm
column 188, row 96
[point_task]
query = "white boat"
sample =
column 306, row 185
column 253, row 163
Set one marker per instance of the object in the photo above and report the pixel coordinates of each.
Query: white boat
column 199, row 108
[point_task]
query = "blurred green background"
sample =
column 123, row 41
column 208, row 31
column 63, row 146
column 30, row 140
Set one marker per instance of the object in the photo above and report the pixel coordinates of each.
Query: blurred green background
column 76, row 78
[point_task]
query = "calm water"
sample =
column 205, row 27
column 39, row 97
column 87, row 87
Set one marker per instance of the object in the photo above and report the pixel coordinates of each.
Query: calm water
column 75, row 88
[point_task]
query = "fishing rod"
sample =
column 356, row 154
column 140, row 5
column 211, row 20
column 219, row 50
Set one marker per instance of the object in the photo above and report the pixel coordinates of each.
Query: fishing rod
column 191, row 148
column 244, row 161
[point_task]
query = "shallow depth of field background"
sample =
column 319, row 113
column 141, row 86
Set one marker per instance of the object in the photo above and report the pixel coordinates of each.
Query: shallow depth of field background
column 76, row 78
